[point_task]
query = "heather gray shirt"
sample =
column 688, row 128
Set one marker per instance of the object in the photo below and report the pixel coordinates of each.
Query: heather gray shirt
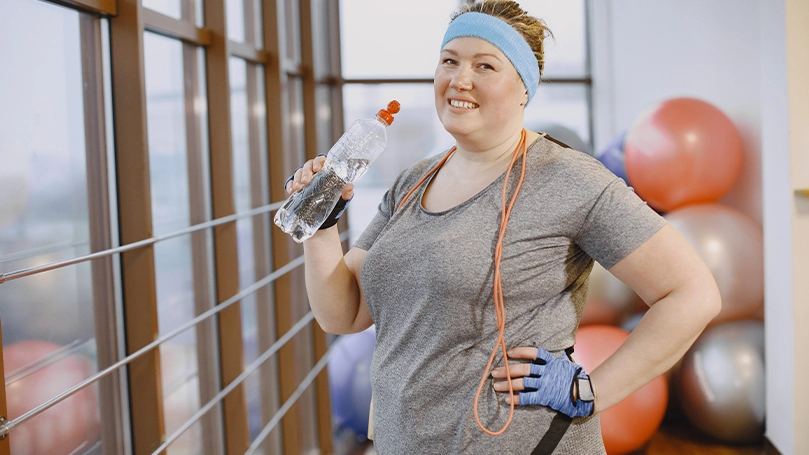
column 427, row 279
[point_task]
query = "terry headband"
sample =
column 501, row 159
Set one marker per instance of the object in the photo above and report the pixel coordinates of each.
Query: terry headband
column 503, row 37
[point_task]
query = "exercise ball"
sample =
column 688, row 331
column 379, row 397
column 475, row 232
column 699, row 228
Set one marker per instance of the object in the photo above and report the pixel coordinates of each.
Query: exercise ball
column 683, row 151
column 732, row 246
column 350, row 380
column 612, row 157
column 632, row 321
column 628, row 425
column 64, row 427
column 608, row 299
column 721, row 382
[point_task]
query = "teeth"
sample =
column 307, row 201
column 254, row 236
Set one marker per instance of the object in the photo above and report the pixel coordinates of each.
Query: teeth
column 462, row 104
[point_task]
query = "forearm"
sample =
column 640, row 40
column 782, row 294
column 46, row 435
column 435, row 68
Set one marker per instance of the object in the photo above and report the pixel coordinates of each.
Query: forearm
column 662, row 337
column 332, row 288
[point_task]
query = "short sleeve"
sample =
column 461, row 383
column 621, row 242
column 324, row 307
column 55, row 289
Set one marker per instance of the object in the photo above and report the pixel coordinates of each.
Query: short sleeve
column 617, row 224
column 378, row 223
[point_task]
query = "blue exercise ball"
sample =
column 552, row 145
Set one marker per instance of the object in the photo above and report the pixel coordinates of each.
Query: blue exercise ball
column 612, row 157
column 350, row 380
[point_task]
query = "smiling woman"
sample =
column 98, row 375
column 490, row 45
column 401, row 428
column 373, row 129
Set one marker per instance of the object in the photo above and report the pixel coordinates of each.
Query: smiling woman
column 483, row 252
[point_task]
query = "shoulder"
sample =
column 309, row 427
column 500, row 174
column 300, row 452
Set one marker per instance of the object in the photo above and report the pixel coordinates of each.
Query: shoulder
column 552, row 162
column 410, row 176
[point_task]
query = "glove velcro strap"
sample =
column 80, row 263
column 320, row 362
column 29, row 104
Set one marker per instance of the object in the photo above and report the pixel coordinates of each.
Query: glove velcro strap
column 335, row 214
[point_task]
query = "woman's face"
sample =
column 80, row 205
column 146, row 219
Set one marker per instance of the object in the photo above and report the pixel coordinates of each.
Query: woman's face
column 478, row 93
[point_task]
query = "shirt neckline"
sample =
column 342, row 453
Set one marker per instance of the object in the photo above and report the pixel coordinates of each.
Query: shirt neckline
column 472, row 198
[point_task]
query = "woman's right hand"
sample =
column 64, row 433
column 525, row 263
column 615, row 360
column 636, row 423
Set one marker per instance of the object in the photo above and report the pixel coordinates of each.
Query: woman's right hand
column 303, row 176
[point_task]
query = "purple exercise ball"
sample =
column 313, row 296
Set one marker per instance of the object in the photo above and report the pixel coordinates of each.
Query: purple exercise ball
column 350, row 380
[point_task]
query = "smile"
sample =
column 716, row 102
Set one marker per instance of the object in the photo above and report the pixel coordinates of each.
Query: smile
column 463, row 104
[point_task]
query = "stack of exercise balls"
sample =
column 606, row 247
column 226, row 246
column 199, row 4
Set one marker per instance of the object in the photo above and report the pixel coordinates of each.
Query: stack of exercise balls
column 682, row 156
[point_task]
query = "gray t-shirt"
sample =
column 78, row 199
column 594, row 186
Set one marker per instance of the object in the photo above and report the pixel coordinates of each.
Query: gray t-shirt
column 428, row 281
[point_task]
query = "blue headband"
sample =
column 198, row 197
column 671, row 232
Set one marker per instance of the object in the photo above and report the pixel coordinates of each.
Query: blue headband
column 503, row 37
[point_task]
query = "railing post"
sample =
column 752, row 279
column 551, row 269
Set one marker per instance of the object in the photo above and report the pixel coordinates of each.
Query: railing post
column 5, row 449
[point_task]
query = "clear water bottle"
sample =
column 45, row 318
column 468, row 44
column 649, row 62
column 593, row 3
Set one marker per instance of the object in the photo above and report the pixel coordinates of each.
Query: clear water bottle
column 306, row 210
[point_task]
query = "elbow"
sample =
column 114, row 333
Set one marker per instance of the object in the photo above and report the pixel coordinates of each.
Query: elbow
column 710, row 299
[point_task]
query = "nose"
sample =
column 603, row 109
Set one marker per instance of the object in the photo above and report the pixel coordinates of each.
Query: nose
column 462, row 79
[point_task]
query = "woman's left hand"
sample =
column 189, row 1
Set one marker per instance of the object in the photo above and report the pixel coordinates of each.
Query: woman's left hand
column 547, row 381
column 517, row 370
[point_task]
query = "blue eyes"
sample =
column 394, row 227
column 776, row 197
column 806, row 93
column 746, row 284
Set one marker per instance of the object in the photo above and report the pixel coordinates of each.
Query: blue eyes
column 449, row 61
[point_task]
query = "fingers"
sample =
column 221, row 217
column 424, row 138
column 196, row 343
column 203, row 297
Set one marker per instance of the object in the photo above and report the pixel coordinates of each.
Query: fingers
column 348, row 192
column 517, row 387
column 318, row 162
column 502, row 386
column 523, row 352
column 303, row 175
column 544, row 355
column 517, row 370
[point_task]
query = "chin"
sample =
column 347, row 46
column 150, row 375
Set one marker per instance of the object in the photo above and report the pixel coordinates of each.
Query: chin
column 456, row 129
column 458, row 126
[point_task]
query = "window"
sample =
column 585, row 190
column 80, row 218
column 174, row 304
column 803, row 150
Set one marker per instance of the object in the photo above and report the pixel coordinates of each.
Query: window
column 144, row 263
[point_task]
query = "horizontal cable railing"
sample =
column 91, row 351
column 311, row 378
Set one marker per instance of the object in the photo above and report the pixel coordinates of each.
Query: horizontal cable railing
column 8, row 426
column 307, row 381
column 139, row 244
column 44, row 249
column 238, row 380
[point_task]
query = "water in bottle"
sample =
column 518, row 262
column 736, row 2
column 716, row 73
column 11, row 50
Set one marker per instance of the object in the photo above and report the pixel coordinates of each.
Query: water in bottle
column 306, row 210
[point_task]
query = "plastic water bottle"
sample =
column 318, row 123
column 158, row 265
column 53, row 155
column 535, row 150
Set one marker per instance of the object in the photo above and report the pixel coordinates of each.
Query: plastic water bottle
column 306, row 210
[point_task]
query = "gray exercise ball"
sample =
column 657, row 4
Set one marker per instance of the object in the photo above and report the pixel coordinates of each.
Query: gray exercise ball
column 721, row 382
column 563, row 134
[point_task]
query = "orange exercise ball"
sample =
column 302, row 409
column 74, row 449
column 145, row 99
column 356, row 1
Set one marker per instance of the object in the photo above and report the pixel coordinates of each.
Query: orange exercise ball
column 628, row 425
column 683, row 151
column 732, row 246
column 69, row 425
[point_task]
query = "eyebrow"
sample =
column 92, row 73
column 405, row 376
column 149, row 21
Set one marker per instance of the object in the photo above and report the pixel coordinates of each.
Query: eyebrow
column 480, row 54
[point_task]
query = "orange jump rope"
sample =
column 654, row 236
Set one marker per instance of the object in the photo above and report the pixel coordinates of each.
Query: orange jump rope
column 500, row 309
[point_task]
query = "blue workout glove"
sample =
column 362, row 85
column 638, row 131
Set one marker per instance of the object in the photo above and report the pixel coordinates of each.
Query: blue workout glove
column 551, row 385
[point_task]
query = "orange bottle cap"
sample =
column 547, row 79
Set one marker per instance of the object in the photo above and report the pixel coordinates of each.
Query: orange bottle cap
column 387, row 114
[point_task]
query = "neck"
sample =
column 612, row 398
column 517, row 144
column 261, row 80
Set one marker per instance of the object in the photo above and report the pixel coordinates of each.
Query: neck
column 489, row 153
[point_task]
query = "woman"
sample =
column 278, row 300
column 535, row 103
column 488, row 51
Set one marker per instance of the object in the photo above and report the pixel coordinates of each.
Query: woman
column 487, row 248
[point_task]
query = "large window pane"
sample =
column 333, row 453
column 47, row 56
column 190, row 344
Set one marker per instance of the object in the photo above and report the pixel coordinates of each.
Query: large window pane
column 244, row 228
column 171, row 8
column 379, row 39
column 49, row 341
column 235, row 17
column 566, row 52
column 168, row 166
column 562, row 111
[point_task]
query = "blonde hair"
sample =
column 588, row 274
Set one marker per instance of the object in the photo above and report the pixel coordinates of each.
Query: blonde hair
column 533, row 30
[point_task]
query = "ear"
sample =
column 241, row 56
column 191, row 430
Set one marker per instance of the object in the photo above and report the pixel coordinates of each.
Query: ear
column 525, row 100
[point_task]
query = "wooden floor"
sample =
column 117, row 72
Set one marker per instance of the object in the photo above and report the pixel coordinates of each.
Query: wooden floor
column 676, row 436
